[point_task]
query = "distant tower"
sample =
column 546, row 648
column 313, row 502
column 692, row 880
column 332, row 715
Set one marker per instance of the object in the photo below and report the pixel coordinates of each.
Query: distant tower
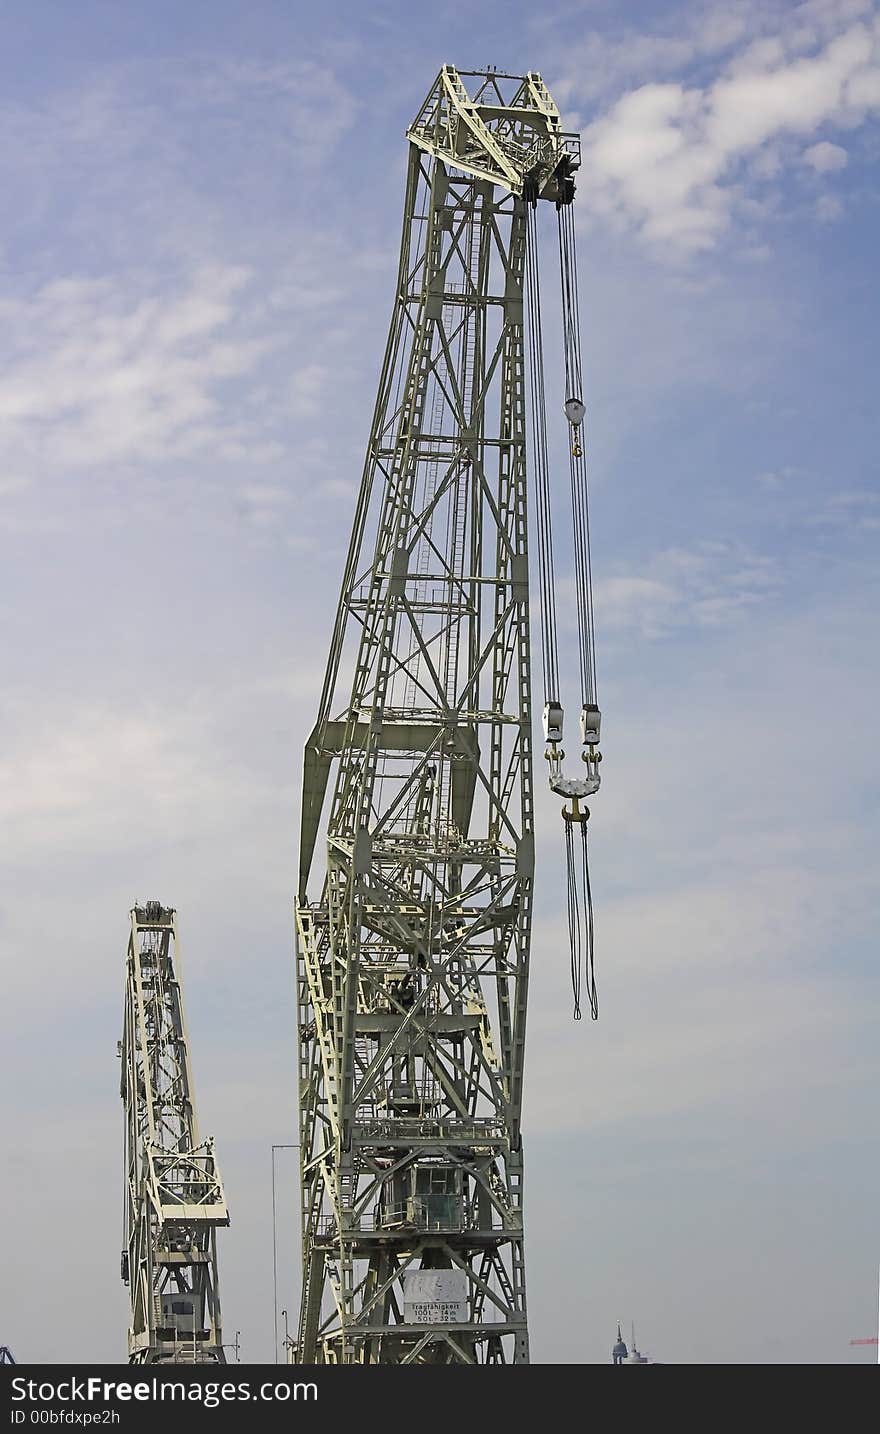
column 635, row 1357
column 620, row 1351
column 621, row 1355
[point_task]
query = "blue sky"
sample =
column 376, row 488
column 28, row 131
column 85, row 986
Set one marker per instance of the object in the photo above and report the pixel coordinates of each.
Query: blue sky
column 196, row 263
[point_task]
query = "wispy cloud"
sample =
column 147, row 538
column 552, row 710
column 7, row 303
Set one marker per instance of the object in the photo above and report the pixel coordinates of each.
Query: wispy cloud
column 151, row 140
column 707, row 586
column 825, row 157
column 855, row 510
column 668, row 157
column 95, row 373
column 197, row 269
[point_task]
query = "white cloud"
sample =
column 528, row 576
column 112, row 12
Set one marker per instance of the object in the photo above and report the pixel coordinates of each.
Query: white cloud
column 143, row 792
column 345, row 488
column 57, row 778
column 12, row 485
column 708, row 586
column 262, row 504
column 601, row 63
column 308, row 386
column 825, row 156
column 767, row 96
column 828, row 208
column 666, row 157
column 724, row 957
column 137, row 367
column 857, row 510
column 777, row 478
column 98, row 371
column 129, row 767
column 719, row 896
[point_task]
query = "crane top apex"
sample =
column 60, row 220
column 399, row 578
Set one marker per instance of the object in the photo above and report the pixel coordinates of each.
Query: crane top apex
column 152, row 914
column 502, row 128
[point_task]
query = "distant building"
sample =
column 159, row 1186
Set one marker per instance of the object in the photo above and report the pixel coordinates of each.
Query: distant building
column 620, row 1351
column 621, row 1355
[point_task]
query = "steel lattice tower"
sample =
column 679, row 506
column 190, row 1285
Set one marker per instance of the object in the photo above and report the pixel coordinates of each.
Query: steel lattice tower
column 417, row 834
column 174, row 1196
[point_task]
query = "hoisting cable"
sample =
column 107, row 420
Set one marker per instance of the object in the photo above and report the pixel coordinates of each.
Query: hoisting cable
column 574, row 407
column 538, row 409
column 580, row 889
column 574, row 922
column 592, row 994
column 547, row 577
column 579, row 894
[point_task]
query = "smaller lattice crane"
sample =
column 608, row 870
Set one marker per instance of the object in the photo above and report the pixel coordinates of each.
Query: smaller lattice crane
column 174, row 1198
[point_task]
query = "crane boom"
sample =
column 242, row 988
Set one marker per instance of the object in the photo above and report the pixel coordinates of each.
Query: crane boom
column 414, row 910
column 174, row 1195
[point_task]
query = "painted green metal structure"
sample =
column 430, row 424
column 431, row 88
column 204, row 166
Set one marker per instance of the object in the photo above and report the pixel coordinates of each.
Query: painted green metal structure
column 174, row 1200
column 417, row 842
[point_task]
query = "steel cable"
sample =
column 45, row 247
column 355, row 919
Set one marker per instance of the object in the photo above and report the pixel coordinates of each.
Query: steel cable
column 577, row 458
column 579, row 897
column 583, row 962
column 538, row 408
column 592, row 994
column 575, row 929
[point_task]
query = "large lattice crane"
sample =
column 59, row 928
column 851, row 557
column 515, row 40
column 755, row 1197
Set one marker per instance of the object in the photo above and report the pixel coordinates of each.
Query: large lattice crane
column 417, row 841
column 174, row 1197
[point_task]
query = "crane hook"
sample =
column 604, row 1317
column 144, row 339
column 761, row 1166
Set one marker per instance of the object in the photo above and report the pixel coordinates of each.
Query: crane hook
column 577, row 814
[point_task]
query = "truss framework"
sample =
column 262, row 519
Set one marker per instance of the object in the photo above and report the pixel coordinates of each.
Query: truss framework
column 412, row 958
column 174, row 1194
